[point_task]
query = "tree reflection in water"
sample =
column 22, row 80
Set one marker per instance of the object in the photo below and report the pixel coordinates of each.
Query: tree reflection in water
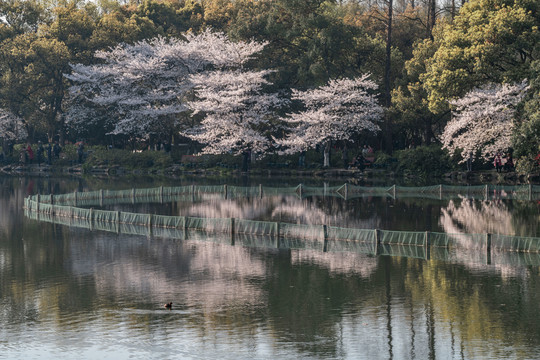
column 477, row 217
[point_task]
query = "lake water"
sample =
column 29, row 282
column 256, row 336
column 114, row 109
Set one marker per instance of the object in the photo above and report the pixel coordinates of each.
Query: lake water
column 70, row 293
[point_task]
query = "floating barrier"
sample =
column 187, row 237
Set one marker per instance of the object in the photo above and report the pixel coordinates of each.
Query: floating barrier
column 419, row 245
column 67, row 209
column 162, row 194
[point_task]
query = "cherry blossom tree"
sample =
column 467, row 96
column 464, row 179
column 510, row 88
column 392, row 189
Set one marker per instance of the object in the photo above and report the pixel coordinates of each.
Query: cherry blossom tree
column 237, row 111
column 140, row 89
column 11, row 126
column 337, row 111
column 483, row 120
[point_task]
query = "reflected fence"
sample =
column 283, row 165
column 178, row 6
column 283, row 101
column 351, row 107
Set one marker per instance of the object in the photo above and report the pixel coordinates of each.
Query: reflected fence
column 69, row 210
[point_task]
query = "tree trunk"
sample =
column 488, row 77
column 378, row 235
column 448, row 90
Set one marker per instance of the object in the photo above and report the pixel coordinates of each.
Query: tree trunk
column 431, row 18
column 387, row 85
column 326, row 153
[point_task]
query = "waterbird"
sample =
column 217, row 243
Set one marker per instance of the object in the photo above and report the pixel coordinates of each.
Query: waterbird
column 168, row 305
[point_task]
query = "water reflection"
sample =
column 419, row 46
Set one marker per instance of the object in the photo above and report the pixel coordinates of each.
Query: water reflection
column 75, row 293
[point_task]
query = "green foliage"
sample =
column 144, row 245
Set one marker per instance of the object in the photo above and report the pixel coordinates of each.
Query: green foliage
column 101, row 156
column 309, row 42
column 424, row 161
column 527, row 135
column 489, row 41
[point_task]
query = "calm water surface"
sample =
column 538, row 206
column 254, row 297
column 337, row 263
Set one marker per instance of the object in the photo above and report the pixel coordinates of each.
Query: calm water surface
column 70, row 293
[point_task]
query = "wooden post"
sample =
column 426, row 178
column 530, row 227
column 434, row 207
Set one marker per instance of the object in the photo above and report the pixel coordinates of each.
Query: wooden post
column 161, row 194
column 440, row 192
column 133, row 195
column 346, row 191
column 118, row 222
column 37, row 203
column 232, row 231
column 225, row 191
column 300, row 190
column 91, row 219
column 75, row 196
column 150, row 218
column 377, row 236
column 488, row 248
column 101, row 198
column 486, row 192
column 427, row 246
column 260, row 191
column 325, row 238
column 185, row 226
column 394, row 191
column 277, row 234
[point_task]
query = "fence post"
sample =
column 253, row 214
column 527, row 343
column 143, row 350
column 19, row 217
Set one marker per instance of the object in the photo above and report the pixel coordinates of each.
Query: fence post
column 101, row 197
column 118, row 222
column 260, row 191
column 161, row 194
column 325, row 237
column 488, row 248
column 440, row 192
column 377, row 236
column 192, row 193
column 277, row 234
column 91, row 219
column 225, row 191
column 232, row 231
column 300, row 190
column 38, row 201
column 133, row 195
column 486, row 192
column 185, row 226
column 150, row 218
column 394, row 191
column 427, row 246
column 75, row 196
column 346, row 191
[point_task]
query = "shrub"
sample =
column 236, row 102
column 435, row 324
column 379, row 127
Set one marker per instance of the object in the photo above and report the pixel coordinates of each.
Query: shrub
column 424, row 161
column 100, row 156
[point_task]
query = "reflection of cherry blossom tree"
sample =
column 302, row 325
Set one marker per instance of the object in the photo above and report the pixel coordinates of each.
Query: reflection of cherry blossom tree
column 336, row 111
column 473, row 217
column 460, row 219
column 338, row 263
column 483, row 120
column 289, row 209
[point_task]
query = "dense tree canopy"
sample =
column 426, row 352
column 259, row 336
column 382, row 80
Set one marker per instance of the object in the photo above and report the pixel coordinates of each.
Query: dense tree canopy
column 489, row 41
column 422, row 55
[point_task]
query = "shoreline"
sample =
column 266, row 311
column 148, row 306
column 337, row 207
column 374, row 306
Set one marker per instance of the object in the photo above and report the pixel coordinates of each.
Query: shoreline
column 355, row 175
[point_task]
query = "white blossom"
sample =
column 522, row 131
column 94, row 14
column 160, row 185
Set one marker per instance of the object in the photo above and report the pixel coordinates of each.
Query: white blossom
column 483, row 120
column 141, row 87
column 11, row 126
column 236, row 111
column 336, row 111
